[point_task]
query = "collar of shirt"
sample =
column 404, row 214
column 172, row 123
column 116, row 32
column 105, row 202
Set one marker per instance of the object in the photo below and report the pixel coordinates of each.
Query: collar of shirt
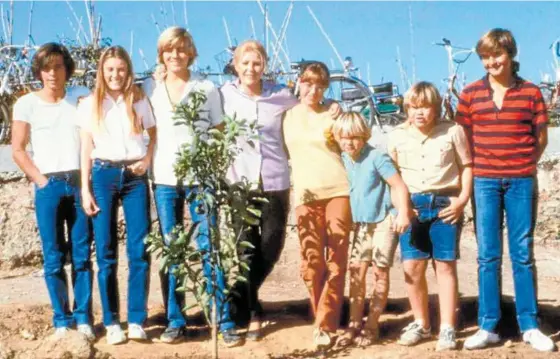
column 112, row 101
column 418, row 135
column 268, row 89
column 517, row 84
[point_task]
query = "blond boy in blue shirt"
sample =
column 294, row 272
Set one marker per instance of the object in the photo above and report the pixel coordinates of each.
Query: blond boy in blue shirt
column 377, row 222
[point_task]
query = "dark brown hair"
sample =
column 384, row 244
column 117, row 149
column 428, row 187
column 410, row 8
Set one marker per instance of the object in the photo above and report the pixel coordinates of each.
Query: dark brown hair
column 496, row 40
column 45, row 55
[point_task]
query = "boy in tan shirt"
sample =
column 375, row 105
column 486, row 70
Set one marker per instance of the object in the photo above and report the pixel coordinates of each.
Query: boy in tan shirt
column 434, row 159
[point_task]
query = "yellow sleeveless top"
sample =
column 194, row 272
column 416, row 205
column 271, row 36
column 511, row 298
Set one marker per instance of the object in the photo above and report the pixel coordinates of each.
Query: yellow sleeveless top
column 317, row 169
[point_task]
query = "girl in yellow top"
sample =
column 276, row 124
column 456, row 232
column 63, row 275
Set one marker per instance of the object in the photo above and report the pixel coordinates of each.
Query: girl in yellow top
column 322, row 201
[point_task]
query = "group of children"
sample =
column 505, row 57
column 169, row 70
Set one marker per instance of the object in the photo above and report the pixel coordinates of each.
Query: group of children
column 415, row 195
column 412, row 195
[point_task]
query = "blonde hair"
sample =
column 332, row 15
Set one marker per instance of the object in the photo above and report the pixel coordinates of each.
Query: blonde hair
column 316, row 73
column 250, row 46
column 497, row 40
column 176, row 37
column 351, row 124
column 131, row 93
column 423, row 93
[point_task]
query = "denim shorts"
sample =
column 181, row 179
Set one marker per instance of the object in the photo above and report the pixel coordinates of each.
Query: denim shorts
column 428, row 236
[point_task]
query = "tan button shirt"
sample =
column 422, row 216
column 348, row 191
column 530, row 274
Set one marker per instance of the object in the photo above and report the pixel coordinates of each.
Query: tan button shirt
column 430, row 162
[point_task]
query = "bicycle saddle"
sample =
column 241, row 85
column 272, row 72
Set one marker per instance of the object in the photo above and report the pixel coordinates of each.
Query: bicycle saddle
column 382, row 89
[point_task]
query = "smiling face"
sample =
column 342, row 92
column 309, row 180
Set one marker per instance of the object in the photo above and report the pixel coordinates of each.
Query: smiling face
column 250, row 68
column 497, row 63
column 115, row 73
column 53, row 74
column 311, row 94
column 175, row 58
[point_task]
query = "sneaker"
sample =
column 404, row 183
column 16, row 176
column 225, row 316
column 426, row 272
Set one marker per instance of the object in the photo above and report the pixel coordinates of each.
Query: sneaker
column 172, row 335
column 538, row 340
column 447, row 340
column 87, row 331
column 136, row 332
column 413, row 333
column 481, row 339
column 231, row 338
column 61, row 332
column 321, row 338
column 115, row 334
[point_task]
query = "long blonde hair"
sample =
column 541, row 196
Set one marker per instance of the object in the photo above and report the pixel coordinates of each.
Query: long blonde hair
column 131, row 93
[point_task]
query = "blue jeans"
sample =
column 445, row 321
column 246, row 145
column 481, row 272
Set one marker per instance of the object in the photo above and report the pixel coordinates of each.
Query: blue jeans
column 517, row 197
column 57, row 203
column 428, row 236
column 170, row 204
column 110, row 183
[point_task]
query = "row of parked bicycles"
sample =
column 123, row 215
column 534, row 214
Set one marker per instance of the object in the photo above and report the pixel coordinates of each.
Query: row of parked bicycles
column 381, row 104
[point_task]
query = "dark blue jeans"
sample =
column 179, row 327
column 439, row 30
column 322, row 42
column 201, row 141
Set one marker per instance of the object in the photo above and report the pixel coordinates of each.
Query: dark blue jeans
column 57, row 203
column 517, row 198
column 111, row 183
column 170, row 204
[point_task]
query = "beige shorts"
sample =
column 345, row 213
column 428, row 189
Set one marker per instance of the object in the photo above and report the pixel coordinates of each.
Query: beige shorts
column 374, row 242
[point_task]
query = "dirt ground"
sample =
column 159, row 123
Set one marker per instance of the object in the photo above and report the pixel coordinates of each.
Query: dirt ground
column 25, row 316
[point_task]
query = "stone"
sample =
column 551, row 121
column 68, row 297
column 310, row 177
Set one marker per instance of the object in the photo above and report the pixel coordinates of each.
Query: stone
column 73, row 345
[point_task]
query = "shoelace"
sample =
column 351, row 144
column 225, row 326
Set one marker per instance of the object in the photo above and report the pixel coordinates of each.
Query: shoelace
column 411, row 326
column 448, row 335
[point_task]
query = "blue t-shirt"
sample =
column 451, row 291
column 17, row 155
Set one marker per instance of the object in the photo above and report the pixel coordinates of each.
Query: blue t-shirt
column 370, row 196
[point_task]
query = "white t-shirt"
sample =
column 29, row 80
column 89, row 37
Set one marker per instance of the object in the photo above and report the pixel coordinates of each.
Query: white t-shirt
column 113, row 139
column 55, row 136
column 170, row 137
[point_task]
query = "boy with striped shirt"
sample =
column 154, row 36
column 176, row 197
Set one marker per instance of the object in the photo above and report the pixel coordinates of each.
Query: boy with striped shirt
column 506, row 121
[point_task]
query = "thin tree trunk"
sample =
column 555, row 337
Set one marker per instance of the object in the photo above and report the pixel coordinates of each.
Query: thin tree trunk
column 214, row 329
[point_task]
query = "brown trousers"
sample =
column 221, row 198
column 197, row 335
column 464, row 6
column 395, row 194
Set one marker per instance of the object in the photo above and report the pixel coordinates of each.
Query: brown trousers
column 323, row 229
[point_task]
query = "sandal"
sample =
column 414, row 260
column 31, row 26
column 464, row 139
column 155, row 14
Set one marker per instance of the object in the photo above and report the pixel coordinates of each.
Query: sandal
column 347, row 338
column 254, row 332
column 367, row 337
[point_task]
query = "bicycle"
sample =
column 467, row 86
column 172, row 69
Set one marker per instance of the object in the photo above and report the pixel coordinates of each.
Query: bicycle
column 549, row 89
column 456, row 56
column 379, row 104
column 16, row 80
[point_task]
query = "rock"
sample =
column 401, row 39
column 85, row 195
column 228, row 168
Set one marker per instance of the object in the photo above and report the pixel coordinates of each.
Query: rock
column 73, row 345
column 508, row 344
column 6, row 352
column 27, row 335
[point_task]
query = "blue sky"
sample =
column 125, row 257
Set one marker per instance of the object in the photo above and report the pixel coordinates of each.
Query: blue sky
column 368, row 31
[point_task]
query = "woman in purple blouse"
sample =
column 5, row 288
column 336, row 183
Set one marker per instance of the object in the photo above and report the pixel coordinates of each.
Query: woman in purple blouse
column 265, row 165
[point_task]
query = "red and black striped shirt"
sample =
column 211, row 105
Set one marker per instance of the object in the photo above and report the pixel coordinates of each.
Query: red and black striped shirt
column 503, row 141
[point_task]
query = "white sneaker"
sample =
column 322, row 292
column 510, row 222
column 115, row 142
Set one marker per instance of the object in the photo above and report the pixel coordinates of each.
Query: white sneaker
column 538, row 340
column 136, row 332
column 447, row 340
column 413, row 333
column 61, row 332
column 87, row 331
column 481, row 339
column 115, row 334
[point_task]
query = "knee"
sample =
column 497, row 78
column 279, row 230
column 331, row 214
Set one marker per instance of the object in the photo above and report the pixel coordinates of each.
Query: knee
column 313, row 268
column 446, row 269
column 414, row 273
column 336, row 270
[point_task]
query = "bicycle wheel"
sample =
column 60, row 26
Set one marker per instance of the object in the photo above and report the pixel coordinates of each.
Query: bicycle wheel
column 4, row 123
column 353, row 95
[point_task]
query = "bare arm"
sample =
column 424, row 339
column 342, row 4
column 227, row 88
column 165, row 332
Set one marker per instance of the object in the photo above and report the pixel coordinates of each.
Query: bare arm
column 88, row 202
column 401, row 200
column 452, row 213
column 20, row 138
column 542, row 141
